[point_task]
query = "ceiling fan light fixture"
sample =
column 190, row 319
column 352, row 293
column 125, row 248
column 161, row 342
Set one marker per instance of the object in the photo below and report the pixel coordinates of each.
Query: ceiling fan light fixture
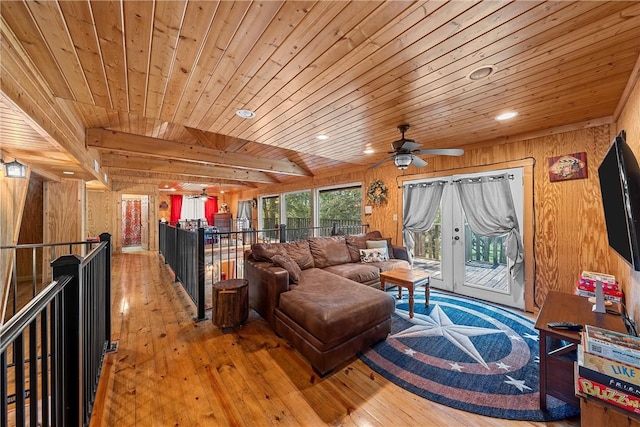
column 245, row 114
column 402, row 161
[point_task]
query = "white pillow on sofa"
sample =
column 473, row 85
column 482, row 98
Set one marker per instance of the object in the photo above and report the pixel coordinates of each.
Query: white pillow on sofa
column 374, row 255
column 382, row 243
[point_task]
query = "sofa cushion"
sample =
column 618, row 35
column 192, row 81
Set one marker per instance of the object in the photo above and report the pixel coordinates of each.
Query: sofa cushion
column 374, row 255
column 358, row 272
column 264, row 251
column 298, row 251
column 334, row 309
column 285, row 261
column 355, row 242
column 328, row 251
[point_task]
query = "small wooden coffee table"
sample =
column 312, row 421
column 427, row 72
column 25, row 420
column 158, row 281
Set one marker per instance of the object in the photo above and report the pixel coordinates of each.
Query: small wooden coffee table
column 404, row 277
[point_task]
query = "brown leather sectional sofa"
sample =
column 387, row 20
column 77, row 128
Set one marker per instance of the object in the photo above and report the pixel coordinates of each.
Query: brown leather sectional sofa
column 314, row 293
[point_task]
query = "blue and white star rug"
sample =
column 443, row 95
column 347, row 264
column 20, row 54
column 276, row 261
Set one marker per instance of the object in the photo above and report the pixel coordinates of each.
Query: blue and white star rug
column 466, row 354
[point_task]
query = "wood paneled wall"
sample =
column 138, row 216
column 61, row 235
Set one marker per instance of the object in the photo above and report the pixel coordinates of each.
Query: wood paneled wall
column 104, row 213
column 570, row 234
column 629, row 121
column 31, row 228
column 13, row 193
column 64, row 219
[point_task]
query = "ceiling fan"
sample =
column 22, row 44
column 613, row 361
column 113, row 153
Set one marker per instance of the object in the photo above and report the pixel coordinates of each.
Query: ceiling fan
column 201, row 196
column 405, row 152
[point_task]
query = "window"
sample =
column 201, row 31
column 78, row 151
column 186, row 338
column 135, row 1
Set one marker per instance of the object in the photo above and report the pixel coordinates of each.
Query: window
column 270, row 214
column 297, row 214
column 341, row 207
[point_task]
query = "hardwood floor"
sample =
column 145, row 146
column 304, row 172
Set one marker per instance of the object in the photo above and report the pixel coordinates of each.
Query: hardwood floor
column 171, row 371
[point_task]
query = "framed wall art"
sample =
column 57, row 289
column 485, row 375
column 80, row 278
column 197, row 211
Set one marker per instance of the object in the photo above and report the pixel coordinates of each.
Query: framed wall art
column 569, row 166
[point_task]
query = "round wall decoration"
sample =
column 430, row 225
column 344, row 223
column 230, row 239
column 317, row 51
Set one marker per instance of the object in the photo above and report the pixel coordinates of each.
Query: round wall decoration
column 377, row 192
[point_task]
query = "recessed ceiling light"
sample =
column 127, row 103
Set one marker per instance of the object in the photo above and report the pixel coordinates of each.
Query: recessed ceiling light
column 368, row 151
column 322, row 137
column 481, row 72
column 506, row 116
column 246, row 114
column 67, row 173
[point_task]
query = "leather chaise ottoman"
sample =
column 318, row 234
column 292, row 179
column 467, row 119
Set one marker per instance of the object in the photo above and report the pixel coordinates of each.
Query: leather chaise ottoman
column 329, row 319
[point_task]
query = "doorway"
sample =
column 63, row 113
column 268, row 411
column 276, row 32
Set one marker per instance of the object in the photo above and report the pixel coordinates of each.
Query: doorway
column 134, row 223
column 465, row 262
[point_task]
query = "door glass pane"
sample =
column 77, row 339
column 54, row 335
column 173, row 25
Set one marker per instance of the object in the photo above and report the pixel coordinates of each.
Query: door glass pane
column 428, row 248
column 485, row 261
column 297, row 209
column 341, row 208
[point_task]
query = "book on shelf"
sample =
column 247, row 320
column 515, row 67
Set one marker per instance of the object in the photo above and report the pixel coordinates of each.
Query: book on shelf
column 612, row 345
column 607, row 289
column 607, row 394
column 611, row 368
column 607, row 280
column 615, row 298
column 600, row 378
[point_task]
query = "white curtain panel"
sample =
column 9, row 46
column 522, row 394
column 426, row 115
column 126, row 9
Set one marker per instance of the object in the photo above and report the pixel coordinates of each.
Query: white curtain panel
column 420, row 206
column 488, row 206
column 192, row 208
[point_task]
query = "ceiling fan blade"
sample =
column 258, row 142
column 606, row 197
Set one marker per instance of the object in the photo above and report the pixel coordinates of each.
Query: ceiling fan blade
column 406, row 144
column 375, row 165
column 418, row 162
column 441, row 151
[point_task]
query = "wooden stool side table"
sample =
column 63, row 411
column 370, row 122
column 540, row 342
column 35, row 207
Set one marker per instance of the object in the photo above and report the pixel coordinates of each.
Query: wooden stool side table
column 230, row 306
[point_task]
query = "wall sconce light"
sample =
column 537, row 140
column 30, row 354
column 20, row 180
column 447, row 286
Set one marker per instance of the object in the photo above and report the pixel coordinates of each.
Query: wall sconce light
column 14, row 169
column 164, row 205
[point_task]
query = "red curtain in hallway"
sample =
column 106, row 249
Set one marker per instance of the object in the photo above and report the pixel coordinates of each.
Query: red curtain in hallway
column 176, row 208
column 210, row 208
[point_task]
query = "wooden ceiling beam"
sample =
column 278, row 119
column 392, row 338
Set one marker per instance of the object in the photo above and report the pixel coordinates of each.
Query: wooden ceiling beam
column 152, row 164
column 104, row 139
column 127, row 175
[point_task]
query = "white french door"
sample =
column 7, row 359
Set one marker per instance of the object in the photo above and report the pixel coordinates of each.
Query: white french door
column 466, row 263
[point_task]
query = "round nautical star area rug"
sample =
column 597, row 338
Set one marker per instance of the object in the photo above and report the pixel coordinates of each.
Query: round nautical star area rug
column 468, row 355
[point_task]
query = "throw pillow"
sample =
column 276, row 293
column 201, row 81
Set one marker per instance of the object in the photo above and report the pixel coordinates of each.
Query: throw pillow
column 286, row 262
column 374, row 255
column 381, row 243
column 264, row 251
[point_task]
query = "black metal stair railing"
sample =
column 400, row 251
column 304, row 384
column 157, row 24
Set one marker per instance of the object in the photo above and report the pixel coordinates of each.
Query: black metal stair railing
column 52, row 349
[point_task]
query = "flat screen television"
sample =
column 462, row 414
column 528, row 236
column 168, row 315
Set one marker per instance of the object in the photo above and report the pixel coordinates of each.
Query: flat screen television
column 620, row 187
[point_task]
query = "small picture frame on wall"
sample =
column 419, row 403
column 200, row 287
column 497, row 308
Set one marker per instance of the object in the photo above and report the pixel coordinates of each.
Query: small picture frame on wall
column 568, row 166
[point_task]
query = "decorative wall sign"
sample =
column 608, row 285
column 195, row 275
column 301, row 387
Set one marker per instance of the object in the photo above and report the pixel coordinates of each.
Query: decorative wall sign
column 377, row 192
column 569, row 166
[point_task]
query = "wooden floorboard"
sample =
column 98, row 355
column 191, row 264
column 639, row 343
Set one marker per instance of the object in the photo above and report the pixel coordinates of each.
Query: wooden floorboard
column 169, row 370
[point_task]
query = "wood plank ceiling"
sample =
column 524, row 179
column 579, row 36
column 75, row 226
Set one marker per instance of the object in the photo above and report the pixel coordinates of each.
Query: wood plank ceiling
column 155, row 85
